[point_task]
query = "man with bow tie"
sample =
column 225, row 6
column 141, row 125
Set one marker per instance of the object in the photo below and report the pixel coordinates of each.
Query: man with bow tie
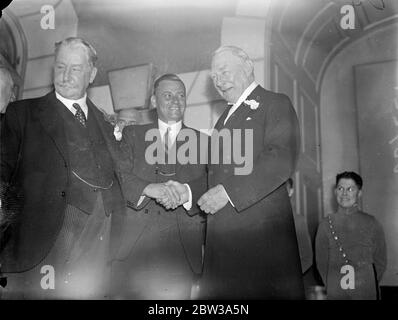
column 59, row 163
column 251, row 244
column 164, row 244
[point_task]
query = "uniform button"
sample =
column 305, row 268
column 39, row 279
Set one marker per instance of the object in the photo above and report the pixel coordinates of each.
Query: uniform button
column 63, row 193
column 146, row 211
column 95, row 189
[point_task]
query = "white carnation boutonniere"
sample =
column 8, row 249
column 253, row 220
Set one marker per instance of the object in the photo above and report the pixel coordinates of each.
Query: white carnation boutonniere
column 118, row 132
column 118, row 124
column 253, row 104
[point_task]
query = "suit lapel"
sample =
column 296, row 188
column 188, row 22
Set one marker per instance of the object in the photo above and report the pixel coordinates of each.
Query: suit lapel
column 220, row 122
column 52, row 123
column 106, row 130
column 99, row 117
column 240, row 114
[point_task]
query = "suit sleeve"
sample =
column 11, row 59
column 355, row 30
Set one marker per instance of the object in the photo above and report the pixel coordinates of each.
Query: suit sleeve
column 277, row 161
column 132, row 185
column 198, row 187
column 10, row 146
column 322, row 251
column 380, row 251
column 11, row 136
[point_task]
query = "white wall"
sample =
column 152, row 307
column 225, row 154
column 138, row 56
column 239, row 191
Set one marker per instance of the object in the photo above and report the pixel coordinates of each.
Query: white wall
column 338, row 110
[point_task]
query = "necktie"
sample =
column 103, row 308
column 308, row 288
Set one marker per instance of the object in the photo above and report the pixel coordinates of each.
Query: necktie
column 79, row 115
column 166, row 140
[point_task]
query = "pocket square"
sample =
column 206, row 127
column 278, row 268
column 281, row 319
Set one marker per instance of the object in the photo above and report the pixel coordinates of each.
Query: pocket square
column 248, row 118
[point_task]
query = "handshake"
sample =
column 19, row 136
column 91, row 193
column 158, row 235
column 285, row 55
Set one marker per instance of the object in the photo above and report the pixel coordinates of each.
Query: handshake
column 170, row 194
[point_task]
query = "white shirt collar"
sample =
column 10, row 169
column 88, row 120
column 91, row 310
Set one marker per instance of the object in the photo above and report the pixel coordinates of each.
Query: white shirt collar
column 69, row 103
column 242, row 98
column 175, row 128
column 245, row 94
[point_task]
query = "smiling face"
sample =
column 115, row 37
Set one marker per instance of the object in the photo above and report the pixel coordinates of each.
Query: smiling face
column 169, row 100
column 347, row 193
column 72, row 71
column 231, row 75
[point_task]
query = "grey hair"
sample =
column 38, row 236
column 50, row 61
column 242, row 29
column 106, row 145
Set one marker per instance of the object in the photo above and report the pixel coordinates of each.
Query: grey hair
column 91, row 52
column 236, row 51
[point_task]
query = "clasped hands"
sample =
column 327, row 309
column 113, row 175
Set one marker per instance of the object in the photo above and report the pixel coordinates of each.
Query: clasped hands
column 170, row 194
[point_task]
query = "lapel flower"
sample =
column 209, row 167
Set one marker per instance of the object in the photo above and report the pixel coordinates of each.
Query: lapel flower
column 253, row 104
column 118, row 132
column 119, row 126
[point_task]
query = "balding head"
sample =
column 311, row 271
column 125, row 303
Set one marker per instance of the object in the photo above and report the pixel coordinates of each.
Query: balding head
column 6, row 88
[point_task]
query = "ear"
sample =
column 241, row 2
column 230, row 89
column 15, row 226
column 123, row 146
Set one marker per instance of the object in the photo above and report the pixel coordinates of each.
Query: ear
column 153, row 101
column 248, row 67
column 359, row 193
column 93, row 74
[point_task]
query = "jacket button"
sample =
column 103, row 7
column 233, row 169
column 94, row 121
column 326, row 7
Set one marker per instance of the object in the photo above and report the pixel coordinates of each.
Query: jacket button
column 63, row 193
column 146, row 211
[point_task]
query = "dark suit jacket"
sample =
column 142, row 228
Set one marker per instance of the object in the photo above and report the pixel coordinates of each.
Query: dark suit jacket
column 35, row 170
column 161, row 245
column 252, row 248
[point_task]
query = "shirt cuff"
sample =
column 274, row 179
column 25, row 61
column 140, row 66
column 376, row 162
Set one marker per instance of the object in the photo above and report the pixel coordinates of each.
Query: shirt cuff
column 140, row 200
column 188, row 205
column 229, row 199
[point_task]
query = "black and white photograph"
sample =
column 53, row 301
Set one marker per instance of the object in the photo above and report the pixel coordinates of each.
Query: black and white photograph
column 216, row 152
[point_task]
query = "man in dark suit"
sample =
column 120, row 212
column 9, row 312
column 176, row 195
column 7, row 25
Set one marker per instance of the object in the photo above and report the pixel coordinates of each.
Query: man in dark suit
column 59, row 173
column 251, row 243
column 6, row 96
column 165, row 238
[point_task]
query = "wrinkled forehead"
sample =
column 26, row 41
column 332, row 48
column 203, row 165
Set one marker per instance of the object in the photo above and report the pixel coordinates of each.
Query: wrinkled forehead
column 225, row 59
column 75, row 49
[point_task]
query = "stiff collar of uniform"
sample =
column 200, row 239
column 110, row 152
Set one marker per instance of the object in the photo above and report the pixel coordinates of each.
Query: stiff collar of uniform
column 242, row 98
column 69, row 103
column 175, row 128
